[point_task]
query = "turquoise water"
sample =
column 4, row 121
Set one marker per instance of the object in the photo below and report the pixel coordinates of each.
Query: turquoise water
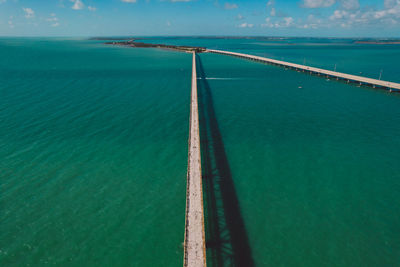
column 315, row 169
column 359, row 59
column 93, row 142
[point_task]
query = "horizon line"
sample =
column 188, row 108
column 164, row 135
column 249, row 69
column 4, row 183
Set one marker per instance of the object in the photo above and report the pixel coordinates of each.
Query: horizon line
column 195, row 36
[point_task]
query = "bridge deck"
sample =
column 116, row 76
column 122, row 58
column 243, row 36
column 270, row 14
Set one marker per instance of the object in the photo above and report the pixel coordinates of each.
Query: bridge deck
column 353, row 78
column 194, row 246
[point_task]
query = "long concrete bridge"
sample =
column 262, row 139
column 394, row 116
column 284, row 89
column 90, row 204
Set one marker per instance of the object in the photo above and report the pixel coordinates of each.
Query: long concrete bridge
column 391, row 86
column 194, row 246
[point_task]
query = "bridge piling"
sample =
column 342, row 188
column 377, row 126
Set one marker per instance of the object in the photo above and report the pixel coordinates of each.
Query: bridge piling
column 390, row 86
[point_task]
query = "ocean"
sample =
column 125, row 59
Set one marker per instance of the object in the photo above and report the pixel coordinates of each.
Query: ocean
column 298, row 170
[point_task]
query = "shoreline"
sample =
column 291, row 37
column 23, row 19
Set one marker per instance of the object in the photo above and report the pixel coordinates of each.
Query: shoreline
column 133, row 43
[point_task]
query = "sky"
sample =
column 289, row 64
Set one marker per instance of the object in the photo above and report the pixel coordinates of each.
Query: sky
column 316, row 18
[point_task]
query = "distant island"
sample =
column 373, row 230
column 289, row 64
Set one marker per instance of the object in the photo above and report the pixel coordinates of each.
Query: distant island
column 379, row 42
column 133, row 43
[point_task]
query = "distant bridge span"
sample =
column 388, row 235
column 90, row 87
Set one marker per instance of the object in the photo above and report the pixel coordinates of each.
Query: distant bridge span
column 194, row 245
column 391, row 86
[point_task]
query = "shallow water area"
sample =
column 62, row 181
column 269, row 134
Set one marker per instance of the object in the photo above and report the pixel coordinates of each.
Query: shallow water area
column 93, row 147
column 314, row 168
column 298, row 170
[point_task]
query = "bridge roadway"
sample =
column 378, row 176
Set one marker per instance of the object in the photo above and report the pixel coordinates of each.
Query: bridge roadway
column 391, row 86
column 194, row 246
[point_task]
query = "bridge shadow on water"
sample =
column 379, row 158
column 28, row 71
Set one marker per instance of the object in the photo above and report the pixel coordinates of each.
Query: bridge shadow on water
column 226, row 238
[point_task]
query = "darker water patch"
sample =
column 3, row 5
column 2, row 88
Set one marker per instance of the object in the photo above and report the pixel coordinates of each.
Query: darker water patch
column 226, row 237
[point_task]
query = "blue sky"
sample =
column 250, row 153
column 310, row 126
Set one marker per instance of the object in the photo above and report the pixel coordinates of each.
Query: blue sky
column 333, row 18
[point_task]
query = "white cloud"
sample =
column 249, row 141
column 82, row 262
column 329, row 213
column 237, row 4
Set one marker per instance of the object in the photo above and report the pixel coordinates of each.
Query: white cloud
column 350, row 4
column 168, row 23
column 129, row 1
column 388, row 16
column 52, row 19
column 268, row 23
column 282, row 23
column 390, row 3
column 92, row 8
column 309, row 26
column 380, row 14
column 271, row 4
column 10, row 24
column 318, row 3
column 230, row 6
column 29, row 13
column 246, row 25
column 288, row 21
column 61, row 3
column 78, row 4
column 239, row 17
column 311, row 23
column 348, row 14
column 2, row 1
column 338, row 14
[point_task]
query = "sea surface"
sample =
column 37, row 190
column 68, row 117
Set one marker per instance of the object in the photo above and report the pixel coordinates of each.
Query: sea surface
column 298, row 170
